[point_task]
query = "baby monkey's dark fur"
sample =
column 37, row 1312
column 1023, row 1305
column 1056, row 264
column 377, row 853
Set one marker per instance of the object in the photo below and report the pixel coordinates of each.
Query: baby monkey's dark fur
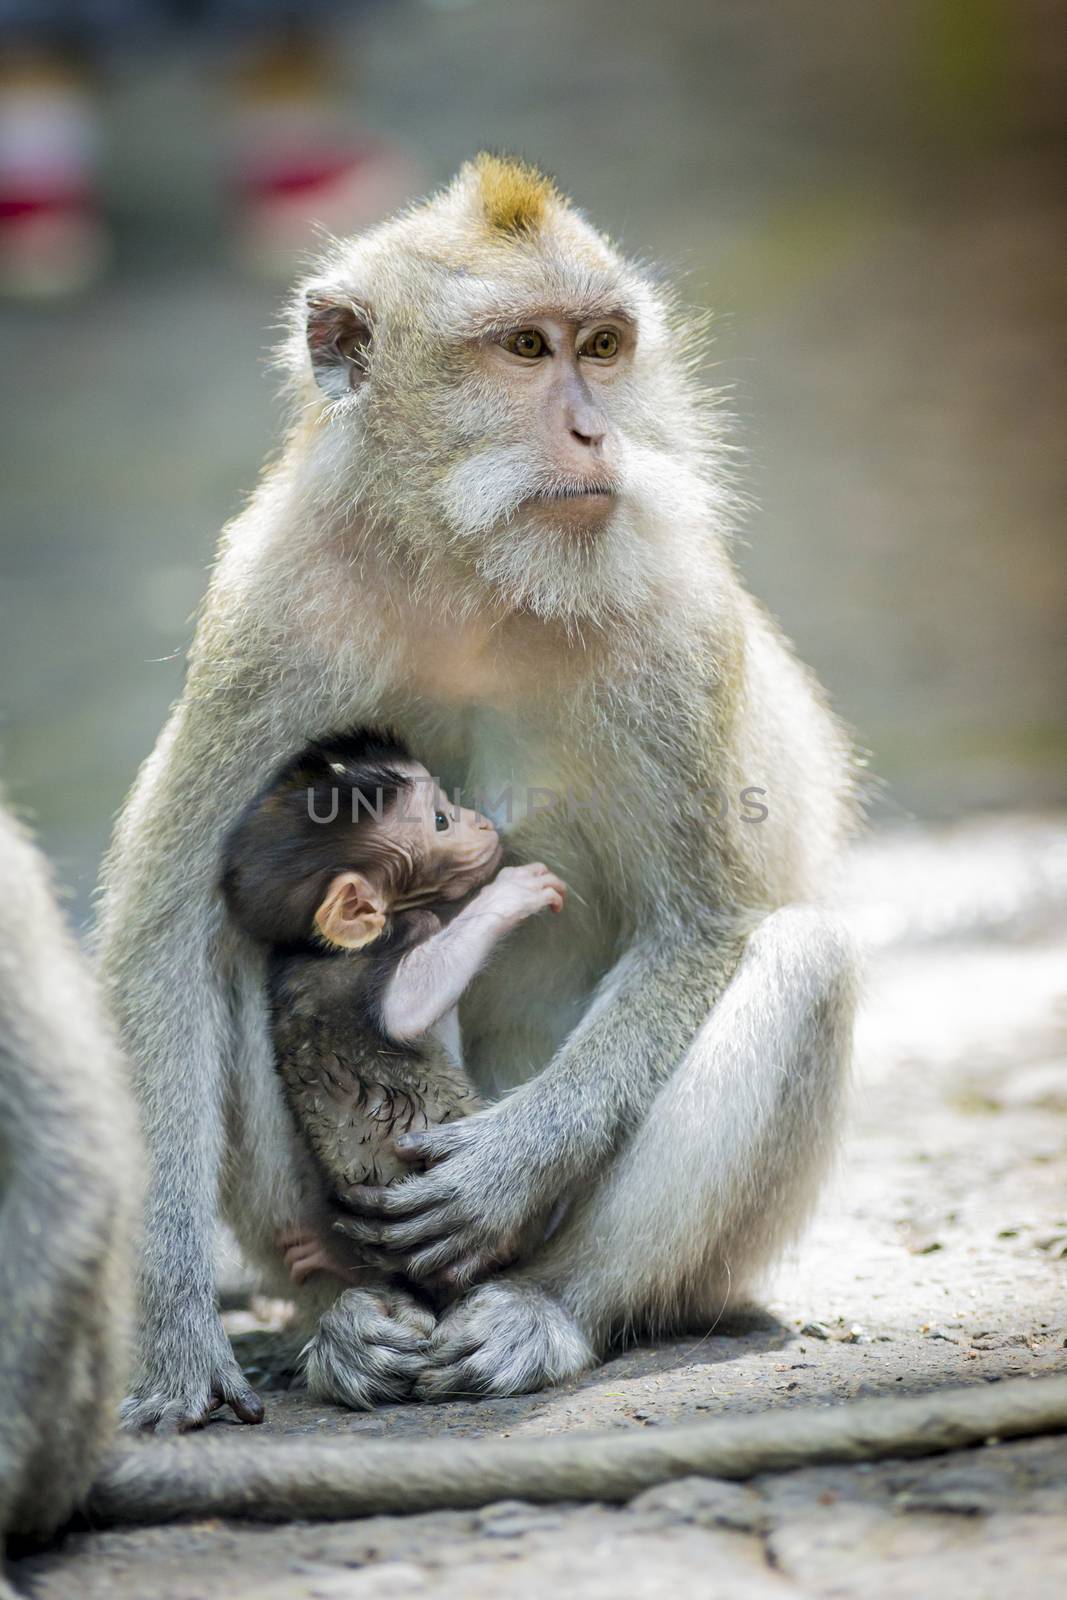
column 352, row 1088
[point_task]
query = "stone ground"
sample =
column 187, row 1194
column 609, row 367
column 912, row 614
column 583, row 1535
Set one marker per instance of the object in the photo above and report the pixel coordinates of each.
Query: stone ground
column 938, row 1257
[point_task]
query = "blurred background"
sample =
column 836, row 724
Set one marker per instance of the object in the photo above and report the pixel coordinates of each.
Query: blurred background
column 868, row 196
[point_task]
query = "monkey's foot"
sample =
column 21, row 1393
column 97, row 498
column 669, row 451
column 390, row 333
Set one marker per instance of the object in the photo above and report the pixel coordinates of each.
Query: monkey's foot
column 368, row 1348
column 506, row 1337
column 166, row 1411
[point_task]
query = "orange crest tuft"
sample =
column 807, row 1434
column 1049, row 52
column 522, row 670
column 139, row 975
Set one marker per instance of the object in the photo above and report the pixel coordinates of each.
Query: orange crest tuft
column 515, row 195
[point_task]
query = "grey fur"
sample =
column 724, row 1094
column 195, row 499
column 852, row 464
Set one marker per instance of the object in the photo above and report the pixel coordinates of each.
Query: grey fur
column 69, row 1185
column 677, row 1047
column 274, row 1479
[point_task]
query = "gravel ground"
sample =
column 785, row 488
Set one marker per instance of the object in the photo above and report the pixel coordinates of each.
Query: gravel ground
column 938, row 1257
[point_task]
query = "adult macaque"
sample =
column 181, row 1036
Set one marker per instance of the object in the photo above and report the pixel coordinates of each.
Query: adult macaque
column 499, row 525
column 345, row 869
column 69, row 1177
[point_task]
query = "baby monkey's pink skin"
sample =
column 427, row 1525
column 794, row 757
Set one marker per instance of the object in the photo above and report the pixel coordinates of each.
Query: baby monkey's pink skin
column 304, row 1253
column 430, row 980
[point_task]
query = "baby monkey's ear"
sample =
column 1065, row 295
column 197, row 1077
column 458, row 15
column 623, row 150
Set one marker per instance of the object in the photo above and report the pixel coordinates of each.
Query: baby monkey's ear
column 352, row 913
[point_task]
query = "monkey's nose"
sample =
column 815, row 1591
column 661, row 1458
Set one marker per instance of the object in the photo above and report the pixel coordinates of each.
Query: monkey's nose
column 591, row 440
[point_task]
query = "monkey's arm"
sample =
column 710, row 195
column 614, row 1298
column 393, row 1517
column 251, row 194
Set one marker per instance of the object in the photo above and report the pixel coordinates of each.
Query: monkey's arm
column 492, row 1173
column 159, row 933
column 430, row 979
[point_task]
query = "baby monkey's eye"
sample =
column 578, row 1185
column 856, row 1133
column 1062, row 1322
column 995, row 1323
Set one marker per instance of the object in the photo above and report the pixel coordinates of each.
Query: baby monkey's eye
column 527, row 342
column 440, row 821
column 601, row 346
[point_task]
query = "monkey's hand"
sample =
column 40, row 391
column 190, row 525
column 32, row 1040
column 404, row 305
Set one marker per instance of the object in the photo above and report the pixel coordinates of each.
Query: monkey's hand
column 305, row 1253
column 517, row 893
column 186, row 1375
column 460, row 1219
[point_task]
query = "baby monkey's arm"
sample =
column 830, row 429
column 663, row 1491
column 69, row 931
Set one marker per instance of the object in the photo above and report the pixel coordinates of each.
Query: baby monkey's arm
column 430, row 979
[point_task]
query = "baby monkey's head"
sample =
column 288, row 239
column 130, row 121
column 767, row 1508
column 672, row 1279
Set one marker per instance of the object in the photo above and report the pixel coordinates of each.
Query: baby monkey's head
column 349, row 832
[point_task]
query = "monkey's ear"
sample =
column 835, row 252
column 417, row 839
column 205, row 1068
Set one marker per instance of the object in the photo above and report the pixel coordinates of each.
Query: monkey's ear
column 339, row 339
column 352, row 913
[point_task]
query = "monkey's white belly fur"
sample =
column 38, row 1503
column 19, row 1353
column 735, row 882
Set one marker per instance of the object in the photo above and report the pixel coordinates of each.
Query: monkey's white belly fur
column 521, row 1008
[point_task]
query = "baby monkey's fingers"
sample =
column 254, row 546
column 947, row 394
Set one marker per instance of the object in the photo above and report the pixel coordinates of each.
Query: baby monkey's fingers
column 555, row 892
column 302, row 1261
column 546, row 884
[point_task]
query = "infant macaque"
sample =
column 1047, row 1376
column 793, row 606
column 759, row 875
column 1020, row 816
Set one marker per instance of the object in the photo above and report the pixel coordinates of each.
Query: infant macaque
column 348, row 867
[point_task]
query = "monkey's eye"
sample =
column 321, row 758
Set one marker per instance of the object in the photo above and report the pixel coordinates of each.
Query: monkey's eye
column 601, row 346
column 527, row 343
column 440, row 821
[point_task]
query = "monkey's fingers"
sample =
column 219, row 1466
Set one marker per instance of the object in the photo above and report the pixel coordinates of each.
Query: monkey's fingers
column 393, row 1335
column 163, row 1413
column 433, row 1260
column 402, row 1199
column 421, row 1259
column 301, row 1264
column 431, row 1146
column 391, row 1236
column 231, row 1389
column 454, row 1368
column 289, row 1238
column 469, row 1269
column 383, row 1260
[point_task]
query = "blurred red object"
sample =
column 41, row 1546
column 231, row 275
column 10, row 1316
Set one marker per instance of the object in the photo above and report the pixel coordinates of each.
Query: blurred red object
column 53, row 240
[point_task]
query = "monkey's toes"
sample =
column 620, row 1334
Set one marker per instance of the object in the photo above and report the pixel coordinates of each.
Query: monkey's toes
column 505, row 1337
column 163, row 1414
column 409, row 1312
column 368, row 1349
column 164, row 1411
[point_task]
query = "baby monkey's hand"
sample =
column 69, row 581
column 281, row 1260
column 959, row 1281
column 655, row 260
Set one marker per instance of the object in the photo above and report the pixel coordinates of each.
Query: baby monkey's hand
column 520, row 892
column 304, row 1252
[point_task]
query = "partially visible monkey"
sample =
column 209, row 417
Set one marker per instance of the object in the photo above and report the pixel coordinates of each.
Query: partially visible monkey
column 344, row 867
column 69, row 1190
column 500, row 525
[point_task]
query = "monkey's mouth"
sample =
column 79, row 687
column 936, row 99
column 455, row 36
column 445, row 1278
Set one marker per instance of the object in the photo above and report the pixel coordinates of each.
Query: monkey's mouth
column 589, row 491
column 581, row 505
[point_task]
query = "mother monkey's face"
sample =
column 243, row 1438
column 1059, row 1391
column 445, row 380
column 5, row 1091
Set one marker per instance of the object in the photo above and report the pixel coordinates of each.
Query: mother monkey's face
column 504, row 398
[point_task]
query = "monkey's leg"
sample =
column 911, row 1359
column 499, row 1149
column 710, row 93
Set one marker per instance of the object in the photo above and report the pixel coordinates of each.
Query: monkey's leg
column 159, row 938
column 717, row 1179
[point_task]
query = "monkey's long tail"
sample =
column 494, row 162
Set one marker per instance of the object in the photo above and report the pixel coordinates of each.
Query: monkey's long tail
column 278, row 1480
